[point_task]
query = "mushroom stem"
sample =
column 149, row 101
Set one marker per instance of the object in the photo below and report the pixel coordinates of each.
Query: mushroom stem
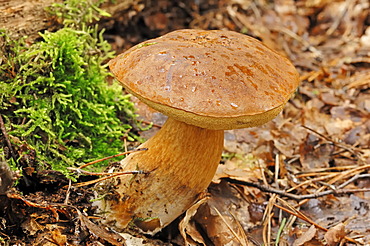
column 181, row 160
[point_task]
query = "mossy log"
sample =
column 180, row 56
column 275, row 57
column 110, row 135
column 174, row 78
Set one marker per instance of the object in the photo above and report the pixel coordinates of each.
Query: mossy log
column 27, row 18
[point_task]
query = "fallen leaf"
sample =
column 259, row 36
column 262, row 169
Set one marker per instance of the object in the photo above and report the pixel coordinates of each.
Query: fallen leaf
column 337, row 127
column 335, row 234
column 306, row 236
column 240, row 167
column 314, row 155
column 188, row 229
column 99, row 231
column 58, row 238
column 32, row 226
column 224, row 216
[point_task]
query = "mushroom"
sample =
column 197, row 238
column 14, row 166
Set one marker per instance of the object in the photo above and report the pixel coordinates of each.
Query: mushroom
column 205, row 82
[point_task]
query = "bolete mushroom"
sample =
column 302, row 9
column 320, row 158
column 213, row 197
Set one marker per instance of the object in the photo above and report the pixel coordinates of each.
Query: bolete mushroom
column 205, row 82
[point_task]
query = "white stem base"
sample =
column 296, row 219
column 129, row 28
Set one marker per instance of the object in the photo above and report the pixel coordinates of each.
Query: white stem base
column 181, row 160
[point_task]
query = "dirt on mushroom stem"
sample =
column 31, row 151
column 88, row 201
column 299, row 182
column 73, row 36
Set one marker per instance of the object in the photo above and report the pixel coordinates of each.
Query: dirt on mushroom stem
column 180, row 161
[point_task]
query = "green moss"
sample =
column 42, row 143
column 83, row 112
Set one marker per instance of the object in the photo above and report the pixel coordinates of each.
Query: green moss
column 56, row 99
column 77, row 13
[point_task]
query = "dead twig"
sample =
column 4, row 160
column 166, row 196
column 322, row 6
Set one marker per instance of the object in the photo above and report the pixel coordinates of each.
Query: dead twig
column 267, row 218
column 90, row 227
column 108, row 176
column 355, row 171
column 293, row 211
column 338, row 20
column 68, row 192
column 80, row 171
column 236, row 235
column 240, row 227
column 110, row 157
column 348, row 173
column 150, row 123
column 353, row 179
column 307, row 46
column 350, row 149
column 312, row 180
column 294, row 196
column 323, row 171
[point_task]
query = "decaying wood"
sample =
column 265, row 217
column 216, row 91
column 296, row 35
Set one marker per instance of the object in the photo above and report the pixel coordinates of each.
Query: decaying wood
column 24, row 18
column 27, row 18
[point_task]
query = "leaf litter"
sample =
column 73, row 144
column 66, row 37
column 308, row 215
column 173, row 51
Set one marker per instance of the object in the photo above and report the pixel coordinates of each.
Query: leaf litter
column 320, row 143
column 318, row 147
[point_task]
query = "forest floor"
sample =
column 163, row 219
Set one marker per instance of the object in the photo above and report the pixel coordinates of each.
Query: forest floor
column 302, row 179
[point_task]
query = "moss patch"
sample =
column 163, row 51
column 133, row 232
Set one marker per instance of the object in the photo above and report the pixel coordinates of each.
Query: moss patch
column 55, row 98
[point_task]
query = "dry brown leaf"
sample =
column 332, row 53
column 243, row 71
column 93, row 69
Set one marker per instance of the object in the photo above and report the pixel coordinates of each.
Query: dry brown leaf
column 58, row 238
column 330, row 98
column 224, row 218
column 240, row 167
column 131, row 240
column 335, row 234
column 337, row 128
column 315, row 155
column 32, row 226
column 99, row 231
column 306, row 236
column 51, row 236
column 188, row 229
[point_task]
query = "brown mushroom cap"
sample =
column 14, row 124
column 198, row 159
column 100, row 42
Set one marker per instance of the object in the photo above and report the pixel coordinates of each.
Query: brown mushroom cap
column 211, row 79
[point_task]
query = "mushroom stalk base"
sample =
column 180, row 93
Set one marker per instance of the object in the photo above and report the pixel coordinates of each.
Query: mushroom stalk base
column 181, row 161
